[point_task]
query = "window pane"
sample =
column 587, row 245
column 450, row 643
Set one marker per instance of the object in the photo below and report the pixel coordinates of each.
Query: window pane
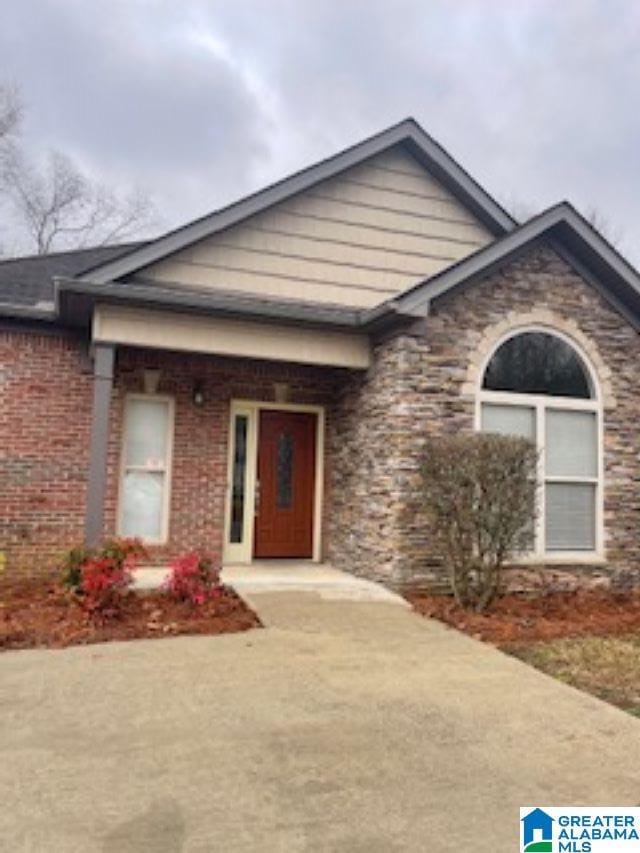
column 537, row 363
column 512, row 420
column 146, row 433
column 509, row 420
column 570, row 517
column 142, row 504
column 571, row 444
column 239, row 471
column 285, row 470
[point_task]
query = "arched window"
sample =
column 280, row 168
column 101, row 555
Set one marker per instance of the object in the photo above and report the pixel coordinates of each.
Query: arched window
column 537, row 385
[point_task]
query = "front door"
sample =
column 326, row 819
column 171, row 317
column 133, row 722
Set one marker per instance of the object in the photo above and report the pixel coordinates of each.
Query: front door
column 285, row 484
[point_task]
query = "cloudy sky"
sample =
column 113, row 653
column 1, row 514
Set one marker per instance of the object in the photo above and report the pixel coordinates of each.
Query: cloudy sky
column 199, row 102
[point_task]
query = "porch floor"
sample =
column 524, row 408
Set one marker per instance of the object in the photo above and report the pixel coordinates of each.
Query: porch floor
column 305, row 576
column 264, row 576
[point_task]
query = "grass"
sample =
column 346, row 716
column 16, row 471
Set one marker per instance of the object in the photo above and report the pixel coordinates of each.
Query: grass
column 607, row 667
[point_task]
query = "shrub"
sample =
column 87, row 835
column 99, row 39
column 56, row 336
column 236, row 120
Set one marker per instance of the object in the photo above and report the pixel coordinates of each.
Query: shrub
column 100, row 576
column 124, row 551
column 194, row 578
column 71, row 569
column 103, row 582
column 480, row 494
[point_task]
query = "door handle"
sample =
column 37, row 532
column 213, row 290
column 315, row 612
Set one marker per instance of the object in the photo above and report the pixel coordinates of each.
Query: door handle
column 257, row 498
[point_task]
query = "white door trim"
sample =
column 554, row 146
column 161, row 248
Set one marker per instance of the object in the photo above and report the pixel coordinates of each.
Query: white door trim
column 242, row 552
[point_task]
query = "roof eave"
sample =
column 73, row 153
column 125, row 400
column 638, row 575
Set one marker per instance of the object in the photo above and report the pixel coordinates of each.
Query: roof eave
column 28, row 312
column 450, row 173
column 76, row 298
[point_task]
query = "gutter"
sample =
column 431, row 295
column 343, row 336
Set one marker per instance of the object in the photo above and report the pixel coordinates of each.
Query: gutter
column 230, row 304
column 28, row 312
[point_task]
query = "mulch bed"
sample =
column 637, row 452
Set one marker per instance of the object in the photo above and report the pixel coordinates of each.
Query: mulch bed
column 39, row 614
column 519, row 617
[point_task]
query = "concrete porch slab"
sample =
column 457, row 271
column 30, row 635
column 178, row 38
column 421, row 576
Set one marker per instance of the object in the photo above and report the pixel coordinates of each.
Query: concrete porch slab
column 285, row 576
column 304, row 576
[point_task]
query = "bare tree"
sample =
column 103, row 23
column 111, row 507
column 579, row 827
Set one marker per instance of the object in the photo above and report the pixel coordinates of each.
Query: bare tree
column 522, row 211
column 519, row 209
column 10, row 112
column 54, row 205
column 602, row 224
column 59, row 207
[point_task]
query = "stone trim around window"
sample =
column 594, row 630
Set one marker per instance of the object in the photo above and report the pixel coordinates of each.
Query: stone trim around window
column 543, row 320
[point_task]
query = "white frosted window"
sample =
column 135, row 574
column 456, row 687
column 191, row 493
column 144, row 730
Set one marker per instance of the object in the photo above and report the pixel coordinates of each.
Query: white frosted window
column 142, row 505
column 146, row 432
column 509, row 420
column 571, row 444
column 570, row 517
column 146, row 461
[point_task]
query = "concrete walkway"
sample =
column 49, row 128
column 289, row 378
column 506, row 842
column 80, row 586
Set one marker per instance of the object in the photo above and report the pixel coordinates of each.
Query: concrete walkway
column 343, row 726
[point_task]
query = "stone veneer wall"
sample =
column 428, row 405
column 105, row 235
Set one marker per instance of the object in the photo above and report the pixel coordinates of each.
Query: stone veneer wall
column 424, row 383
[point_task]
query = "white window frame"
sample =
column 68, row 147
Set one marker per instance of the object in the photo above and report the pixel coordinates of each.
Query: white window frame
column 166, row 469
column 541, row 403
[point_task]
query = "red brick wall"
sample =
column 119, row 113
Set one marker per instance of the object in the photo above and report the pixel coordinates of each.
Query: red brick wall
column 45, row 423
column 196, row 517
column 45, row 412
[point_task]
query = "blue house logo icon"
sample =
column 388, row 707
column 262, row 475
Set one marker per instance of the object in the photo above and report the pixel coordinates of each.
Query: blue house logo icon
column 538, row 832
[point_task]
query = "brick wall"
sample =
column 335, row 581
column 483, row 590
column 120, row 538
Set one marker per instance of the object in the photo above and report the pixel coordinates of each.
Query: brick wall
column 425, row 384
column 196, row 518
column 45, row 422
column 45, row 412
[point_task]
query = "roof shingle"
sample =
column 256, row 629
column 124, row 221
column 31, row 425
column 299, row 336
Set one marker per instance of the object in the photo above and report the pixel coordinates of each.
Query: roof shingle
column 29, row 280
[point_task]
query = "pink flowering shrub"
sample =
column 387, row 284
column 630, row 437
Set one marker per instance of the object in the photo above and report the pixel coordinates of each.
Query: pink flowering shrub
column 102, row 583
column 194, row 578
column 101, row 576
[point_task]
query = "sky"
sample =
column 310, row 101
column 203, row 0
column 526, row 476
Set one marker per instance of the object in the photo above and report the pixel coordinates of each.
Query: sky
column 198, row 102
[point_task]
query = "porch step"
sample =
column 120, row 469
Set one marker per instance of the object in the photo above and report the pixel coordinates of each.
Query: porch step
column 304, row 576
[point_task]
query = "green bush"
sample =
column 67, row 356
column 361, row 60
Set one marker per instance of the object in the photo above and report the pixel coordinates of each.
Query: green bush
column 480, row 496
column 71, row 567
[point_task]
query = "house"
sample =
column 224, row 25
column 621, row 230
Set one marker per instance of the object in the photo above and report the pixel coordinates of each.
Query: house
column 537, row 828
column 259, row 383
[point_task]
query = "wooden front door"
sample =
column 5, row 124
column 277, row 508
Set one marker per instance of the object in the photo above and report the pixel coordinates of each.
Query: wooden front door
column 285, row 484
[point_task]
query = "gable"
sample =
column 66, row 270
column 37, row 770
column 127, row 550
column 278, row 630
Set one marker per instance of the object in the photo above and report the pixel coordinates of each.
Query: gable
column 538, row 289
column 358, row 239
column 574, row 239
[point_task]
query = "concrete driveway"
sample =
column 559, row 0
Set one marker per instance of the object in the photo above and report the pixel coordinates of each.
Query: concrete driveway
column 344, row 726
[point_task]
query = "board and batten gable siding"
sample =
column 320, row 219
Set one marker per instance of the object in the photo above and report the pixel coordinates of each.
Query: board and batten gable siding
column 356, row 239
